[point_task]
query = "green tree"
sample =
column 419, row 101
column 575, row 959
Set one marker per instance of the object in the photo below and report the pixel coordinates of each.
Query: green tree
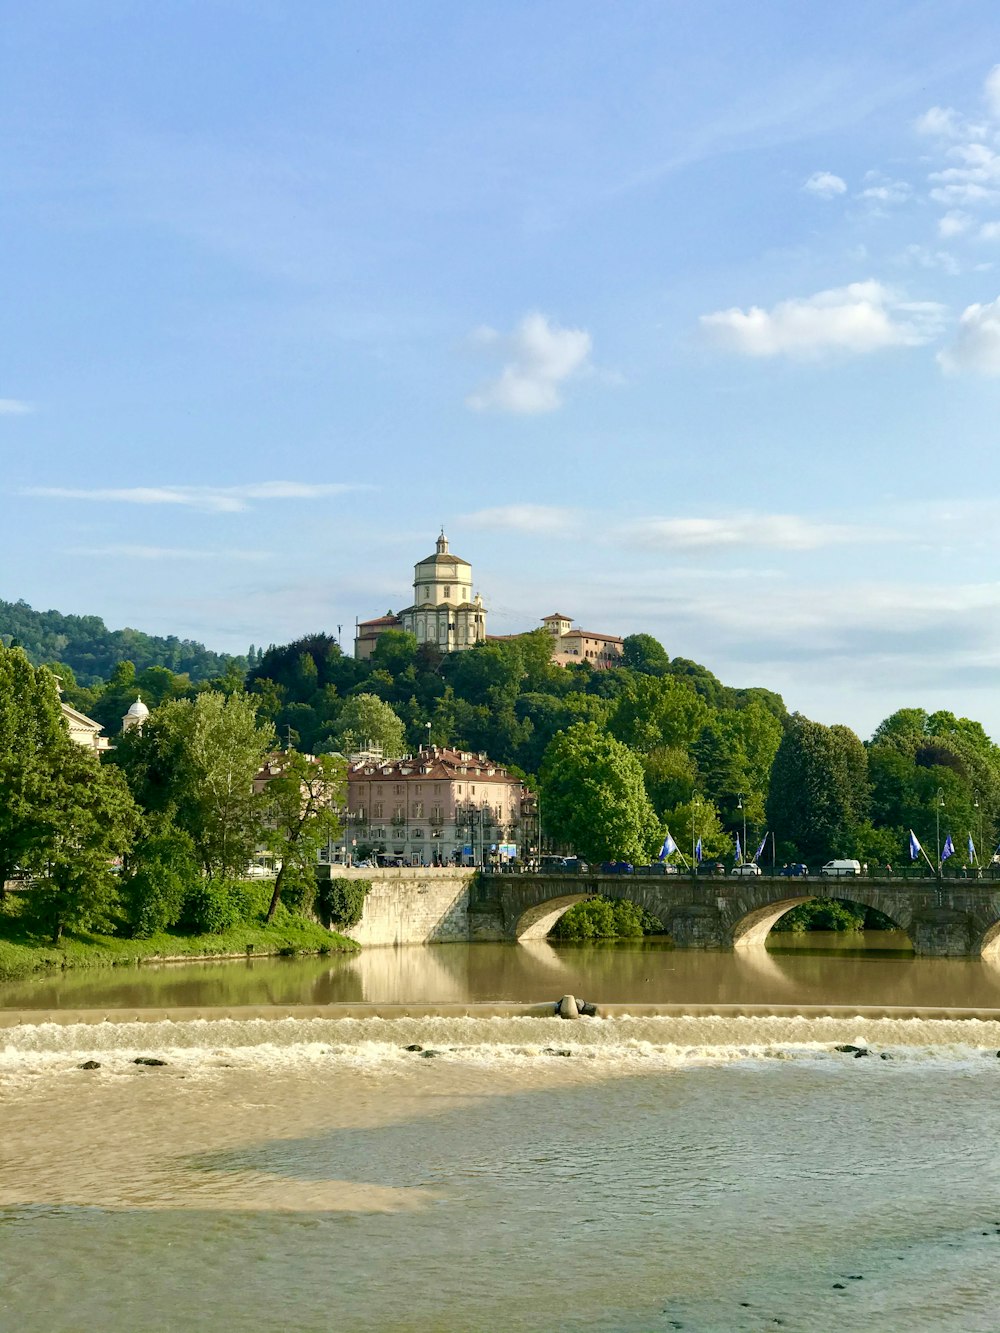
column 643, row 653
column 302, row 805
column 33, row 739
column 367, row 720
column 92, row 820
column 196, row 762
column 654, row 712
column 593, row 798
column 818, row 789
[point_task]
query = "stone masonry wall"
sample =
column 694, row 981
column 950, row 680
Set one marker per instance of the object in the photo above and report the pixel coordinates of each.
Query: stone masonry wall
column 410, row 905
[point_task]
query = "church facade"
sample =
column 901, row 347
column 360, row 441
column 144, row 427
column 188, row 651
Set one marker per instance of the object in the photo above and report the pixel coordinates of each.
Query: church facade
column 444, row 612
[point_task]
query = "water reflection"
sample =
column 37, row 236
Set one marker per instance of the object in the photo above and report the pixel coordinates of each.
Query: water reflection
column 796, row 969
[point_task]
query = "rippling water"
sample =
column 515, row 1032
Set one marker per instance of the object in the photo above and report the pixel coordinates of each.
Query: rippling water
column 636, row 1173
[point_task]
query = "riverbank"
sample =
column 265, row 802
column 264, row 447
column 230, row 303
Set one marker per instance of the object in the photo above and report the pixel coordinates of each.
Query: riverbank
column 24, row 952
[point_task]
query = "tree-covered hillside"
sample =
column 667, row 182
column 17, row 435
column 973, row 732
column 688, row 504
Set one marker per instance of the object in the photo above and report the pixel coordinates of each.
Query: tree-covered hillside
column 85, row 644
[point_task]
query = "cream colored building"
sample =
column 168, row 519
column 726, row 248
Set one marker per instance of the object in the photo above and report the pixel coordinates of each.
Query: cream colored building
column 579, row 645
column 444, row 612
column 84, row 730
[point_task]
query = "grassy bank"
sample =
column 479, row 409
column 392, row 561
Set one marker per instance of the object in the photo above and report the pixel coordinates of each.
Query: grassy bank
column 24, row 950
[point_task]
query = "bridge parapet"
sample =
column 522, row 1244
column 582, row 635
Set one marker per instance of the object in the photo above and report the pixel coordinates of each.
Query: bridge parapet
column 950, row 918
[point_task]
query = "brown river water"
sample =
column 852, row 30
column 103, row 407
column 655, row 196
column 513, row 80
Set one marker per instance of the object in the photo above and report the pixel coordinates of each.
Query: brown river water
column 700, row 1158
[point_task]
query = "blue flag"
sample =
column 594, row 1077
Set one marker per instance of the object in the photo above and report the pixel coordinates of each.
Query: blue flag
column 760, row 850
column 739, row 850
column 972, row 851
column 668, row 846
column 915, row 847
column 697, row 850
column 948, row 849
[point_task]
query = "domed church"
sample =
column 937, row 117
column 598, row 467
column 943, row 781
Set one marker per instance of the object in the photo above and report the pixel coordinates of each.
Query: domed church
column 444, row 610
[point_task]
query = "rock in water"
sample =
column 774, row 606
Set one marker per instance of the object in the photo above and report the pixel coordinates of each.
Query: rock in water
column 89, row 1064
column 150, row 1060
column 588, row 1010
column 568, row 1007
column 413, row 1047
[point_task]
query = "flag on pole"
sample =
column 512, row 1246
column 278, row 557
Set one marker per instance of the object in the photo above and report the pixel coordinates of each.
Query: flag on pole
column 739, row 851
column 668, row 846
column 697, row 850
column 948, row 849
column 915, row 847
column 973, row 858
column 760, row 850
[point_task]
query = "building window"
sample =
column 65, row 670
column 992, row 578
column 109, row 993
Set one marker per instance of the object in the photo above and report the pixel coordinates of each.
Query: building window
column 377, row 810
column 447, row 591
column 417, row 810
column 398, row 789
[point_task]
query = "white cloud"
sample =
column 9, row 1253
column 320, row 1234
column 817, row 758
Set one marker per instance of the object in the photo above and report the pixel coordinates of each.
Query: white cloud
column 887, row 192
column 539, row 358
column 942, row 122
column 964, row 194
column 921, row 256
column 953, row 224
column 787, row 532
column 989, row 231
column 545, row 519
column 863, row 317
column 991, row 89
column 14, row 407
column 825, row 185
column 125, row 552
column 977, row 343
column 216, row 499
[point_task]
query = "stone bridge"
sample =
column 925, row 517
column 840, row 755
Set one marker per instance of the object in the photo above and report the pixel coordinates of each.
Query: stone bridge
column 950, row 919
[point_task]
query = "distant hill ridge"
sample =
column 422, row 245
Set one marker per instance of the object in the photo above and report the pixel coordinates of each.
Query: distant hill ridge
column 92, row 651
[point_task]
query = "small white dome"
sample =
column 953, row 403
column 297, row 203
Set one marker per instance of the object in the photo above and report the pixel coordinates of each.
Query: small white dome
column 138, row 709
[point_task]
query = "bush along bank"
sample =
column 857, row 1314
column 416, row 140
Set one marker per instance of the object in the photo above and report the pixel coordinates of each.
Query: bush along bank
column 605, row 919
column 216, row 919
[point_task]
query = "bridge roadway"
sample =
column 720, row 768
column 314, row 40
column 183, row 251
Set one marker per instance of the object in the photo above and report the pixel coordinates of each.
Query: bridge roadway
column 950, row 919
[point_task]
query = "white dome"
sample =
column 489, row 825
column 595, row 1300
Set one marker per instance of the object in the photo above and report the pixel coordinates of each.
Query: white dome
column 138, row 709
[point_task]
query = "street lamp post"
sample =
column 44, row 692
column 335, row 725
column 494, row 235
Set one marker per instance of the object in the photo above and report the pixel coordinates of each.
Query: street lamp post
column 742, row 807
column 979, row 849
column 695, row 821
column 939, row 802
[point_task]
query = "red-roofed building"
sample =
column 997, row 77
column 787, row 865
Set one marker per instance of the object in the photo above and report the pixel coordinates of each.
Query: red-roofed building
column 580, row 645
column 439, row 807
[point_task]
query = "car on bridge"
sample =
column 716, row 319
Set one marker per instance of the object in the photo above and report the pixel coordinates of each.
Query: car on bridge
column 711, row 868
column 839, row 868
column 748, row 868
column 617, row 868
column 796, row 868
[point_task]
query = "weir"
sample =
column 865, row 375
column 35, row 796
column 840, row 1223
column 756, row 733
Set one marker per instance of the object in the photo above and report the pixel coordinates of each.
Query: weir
column 947, row 919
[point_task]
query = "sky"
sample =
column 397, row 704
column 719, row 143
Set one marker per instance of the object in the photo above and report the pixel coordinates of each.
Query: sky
column 681, row 319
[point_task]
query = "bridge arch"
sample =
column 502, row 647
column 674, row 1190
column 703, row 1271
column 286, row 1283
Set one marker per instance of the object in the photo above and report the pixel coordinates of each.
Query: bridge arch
column 753, row 927
column 989, row 945
column 535, row 922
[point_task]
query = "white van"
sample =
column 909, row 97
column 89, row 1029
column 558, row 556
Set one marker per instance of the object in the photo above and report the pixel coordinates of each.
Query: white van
column 841, row 868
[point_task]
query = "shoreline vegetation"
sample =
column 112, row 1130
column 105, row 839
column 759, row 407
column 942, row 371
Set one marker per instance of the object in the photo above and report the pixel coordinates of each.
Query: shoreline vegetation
column 26, row 950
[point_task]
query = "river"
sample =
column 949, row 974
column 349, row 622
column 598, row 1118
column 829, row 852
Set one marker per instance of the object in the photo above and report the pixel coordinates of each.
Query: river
column 691, row 1161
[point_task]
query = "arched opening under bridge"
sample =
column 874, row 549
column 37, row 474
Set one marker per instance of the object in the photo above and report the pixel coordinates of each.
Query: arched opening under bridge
column 753, row 929
column 536, row 922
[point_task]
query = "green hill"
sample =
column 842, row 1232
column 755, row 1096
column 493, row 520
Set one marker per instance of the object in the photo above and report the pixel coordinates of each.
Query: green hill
column 92, row 650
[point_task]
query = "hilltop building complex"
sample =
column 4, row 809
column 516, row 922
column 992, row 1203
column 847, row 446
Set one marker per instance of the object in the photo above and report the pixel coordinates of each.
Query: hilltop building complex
column 445, row 613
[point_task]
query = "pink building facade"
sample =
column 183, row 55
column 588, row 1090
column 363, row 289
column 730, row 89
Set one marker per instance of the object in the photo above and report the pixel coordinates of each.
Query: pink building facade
column 438, row 807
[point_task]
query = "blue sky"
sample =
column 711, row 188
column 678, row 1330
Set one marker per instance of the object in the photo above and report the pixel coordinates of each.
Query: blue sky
column 683, row 319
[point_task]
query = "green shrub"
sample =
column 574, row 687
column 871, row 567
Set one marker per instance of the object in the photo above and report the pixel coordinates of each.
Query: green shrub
column 340, row 902
column 605, row 919
column 214, row 906
column 153, row 894
column 823, row 914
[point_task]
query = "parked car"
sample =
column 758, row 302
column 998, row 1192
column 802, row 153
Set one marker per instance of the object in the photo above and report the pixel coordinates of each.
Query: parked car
column 658, row 868
column 617, row 868
column 837, row 868
column 796, row 868
column 576, row 864
column 711, row 868
column 748, row 868
column 563, row 865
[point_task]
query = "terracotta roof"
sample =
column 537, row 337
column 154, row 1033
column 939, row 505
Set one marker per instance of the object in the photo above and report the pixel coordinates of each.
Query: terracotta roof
column 592, row 634
column 556, row 616
column 379, row 620
column 436, row 763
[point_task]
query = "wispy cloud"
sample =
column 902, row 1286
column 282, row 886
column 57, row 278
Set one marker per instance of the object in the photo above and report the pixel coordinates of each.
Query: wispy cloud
column 860, row 318
column 125, row 552
column 788, row 532
column 539, row 357
column 550, row 520
column 977, row 342
column 14, row 407
column 215, row 499
column 825, row 185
